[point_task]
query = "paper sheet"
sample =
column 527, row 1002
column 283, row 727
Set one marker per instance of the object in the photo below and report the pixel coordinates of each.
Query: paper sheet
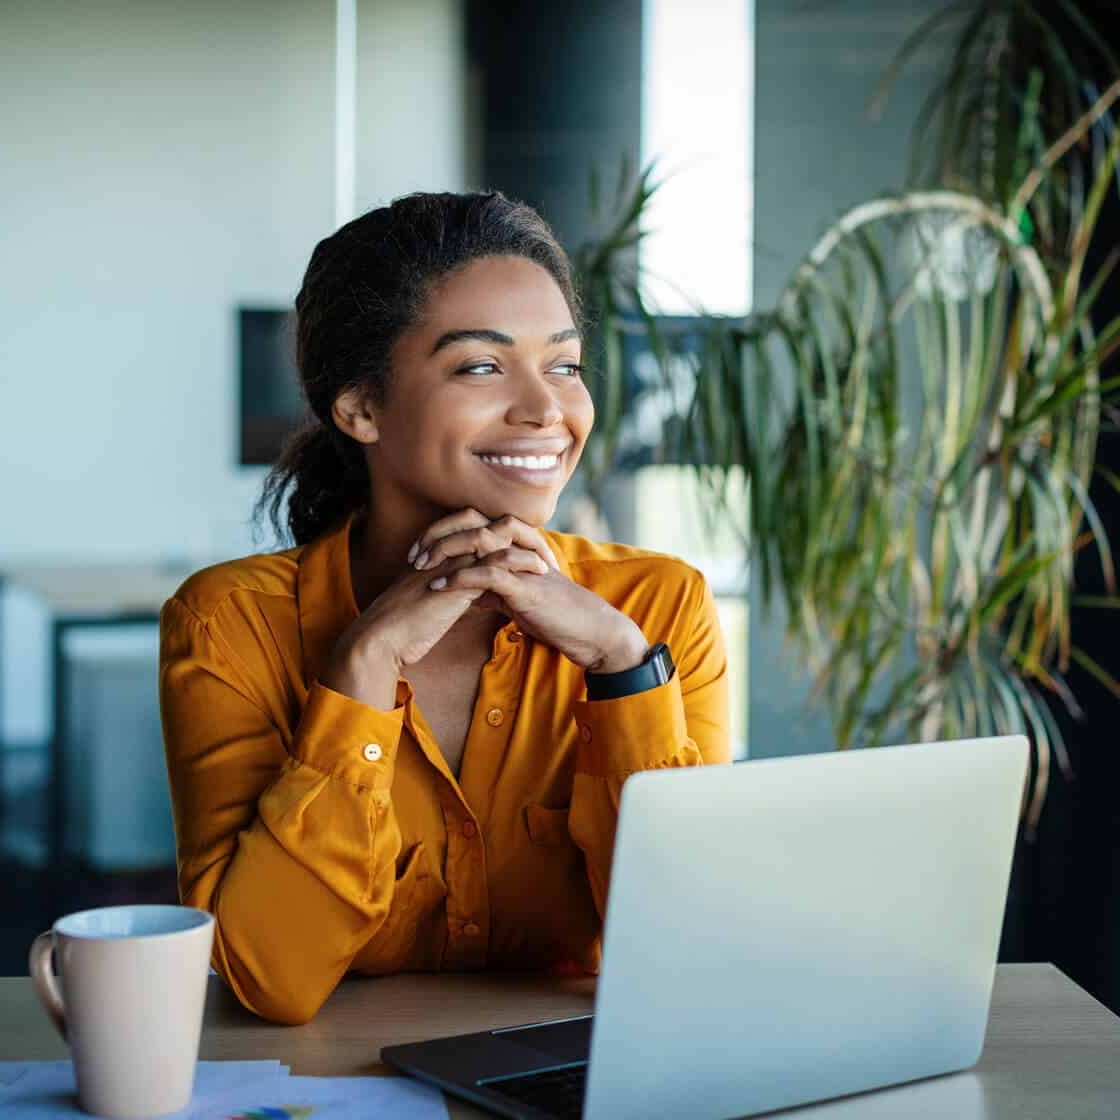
column 208, row 1075
column 231, row 1091
column 325, row 1098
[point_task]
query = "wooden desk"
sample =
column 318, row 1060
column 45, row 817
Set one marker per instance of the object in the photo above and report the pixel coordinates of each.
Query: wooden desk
column 1052, row 1050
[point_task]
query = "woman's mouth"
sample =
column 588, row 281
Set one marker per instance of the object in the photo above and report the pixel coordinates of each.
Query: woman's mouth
column 540, row 470
column 529, row 462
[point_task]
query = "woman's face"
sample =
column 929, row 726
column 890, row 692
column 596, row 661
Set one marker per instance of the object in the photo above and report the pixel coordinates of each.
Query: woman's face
column 486, row 408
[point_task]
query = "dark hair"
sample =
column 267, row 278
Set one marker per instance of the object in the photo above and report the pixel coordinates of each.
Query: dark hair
column 364, row 286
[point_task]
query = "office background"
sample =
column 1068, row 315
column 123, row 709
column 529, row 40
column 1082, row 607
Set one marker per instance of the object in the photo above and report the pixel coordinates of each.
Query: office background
column 164, row 165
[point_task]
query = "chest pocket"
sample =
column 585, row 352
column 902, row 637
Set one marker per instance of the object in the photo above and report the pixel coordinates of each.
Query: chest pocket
column 412, row 874
column 557, row 917
column 547, row 828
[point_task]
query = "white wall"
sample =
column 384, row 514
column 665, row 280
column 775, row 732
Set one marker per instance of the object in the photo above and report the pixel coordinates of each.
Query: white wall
column 412, row 111
column 161, row 163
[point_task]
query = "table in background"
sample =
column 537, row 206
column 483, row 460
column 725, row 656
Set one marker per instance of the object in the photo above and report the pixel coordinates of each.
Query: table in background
column 1051, row 1051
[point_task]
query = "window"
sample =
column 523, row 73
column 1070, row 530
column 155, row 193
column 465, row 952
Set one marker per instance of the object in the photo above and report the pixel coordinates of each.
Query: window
column 697, row 123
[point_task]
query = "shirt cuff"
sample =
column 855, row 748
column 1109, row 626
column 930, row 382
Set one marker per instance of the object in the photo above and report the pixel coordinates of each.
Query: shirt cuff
column 343, row 737
column 629, row 733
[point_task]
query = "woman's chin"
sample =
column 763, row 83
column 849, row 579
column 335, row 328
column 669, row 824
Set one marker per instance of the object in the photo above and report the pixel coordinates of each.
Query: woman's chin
column 534, row 511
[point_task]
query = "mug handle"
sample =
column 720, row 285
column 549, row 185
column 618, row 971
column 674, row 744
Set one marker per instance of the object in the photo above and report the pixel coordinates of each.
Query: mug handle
column 44, row 982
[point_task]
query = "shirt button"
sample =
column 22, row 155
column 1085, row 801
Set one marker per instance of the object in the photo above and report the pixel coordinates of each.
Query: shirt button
column 495, row 717
column 469, row 829
column 585, row 733
column 372, row 752
column 470, row 929
column 515, row 636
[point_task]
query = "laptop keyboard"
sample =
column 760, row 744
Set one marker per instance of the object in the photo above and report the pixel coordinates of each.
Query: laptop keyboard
column 558, row 1092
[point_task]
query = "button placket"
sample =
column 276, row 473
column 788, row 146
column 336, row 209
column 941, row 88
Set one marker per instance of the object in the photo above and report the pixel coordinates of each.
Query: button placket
column 467, row 901
column 467, row 904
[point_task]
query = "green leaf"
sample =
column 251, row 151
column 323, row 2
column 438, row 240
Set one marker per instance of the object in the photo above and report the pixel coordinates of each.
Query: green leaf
column 1105, row 602
column 1100, row 674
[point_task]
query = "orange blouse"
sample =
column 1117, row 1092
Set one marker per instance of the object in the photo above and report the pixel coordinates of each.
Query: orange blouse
column 327, row 836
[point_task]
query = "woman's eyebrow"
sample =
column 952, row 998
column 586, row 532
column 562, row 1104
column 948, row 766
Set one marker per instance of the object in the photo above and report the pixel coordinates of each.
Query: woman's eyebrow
column 484, row 334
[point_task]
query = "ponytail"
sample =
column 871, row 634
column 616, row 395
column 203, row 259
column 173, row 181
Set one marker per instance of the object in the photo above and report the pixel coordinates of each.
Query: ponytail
column 321, row 476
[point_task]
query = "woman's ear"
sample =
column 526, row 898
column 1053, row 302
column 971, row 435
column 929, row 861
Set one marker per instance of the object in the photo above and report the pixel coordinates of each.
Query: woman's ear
column 354, row 414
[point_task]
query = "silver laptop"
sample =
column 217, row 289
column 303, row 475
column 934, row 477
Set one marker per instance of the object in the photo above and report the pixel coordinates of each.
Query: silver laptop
column 777, row 932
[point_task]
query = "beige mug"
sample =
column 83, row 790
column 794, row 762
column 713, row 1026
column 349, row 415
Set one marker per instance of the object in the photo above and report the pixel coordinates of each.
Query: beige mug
column 128, row 1001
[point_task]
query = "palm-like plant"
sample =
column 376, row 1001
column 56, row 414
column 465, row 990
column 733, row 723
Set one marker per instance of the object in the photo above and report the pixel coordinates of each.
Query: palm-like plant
column 1018, row 75
column 610, row 285
column 935, row 456
column 918, row 415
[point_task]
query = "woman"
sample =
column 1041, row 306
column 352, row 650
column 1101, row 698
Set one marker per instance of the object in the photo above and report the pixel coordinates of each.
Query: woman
column 400, row 744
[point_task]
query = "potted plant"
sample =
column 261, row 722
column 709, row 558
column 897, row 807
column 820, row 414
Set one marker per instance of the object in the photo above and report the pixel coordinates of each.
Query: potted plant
column 918, row 415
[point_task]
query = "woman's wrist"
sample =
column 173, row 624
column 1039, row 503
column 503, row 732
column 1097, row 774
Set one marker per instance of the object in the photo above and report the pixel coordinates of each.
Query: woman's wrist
column 366, row 670
column 626, row 651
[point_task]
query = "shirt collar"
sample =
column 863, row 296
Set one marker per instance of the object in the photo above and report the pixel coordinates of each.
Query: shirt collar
column 326, row 597
column 556, row 543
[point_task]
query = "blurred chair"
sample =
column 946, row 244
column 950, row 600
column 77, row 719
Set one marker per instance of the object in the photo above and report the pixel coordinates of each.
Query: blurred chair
column 117, row 810
column 81, row 660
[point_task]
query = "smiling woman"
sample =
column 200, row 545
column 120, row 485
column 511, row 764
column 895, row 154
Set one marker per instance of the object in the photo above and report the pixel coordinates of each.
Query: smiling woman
column 401, row 743
column 487, row 379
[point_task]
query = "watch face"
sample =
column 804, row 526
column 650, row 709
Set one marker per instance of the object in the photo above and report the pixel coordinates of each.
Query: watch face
column 662, row 661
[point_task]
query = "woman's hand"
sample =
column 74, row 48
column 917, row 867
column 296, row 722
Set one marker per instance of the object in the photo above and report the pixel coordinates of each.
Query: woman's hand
column 399, row 627
column 512, row 562
column 472, row 534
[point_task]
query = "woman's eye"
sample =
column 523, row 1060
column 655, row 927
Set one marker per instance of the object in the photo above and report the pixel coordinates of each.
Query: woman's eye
column 570, row 369
column 479, row 369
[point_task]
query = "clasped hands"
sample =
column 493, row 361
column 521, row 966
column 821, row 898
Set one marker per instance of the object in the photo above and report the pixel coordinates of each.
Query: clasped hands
column 464, row 561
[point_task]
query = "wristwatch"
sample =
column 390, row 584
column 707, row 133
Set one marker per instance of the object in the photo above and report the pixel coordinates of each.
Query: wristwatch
column 656, row 668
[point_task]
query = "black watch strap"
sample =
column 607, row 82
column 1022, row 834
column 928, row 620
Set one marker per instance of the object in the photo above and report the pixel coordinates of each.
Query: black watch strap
column 656, row 668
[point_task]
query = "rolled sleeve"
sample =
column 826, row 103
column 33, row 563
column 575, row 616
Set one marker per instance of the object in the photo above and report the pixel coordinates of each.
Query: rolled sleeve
column 629, row 733
column 683, row 722
column 349, row 740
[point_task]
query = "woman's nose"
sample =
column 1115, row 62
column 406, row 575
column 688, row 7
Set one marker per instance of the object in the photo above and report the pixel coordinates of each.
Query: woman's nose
column 534, row 403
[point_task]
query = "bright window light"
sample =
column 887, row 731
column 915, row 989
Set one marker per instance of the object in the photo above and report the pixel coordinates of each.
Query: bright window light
column 697, row 122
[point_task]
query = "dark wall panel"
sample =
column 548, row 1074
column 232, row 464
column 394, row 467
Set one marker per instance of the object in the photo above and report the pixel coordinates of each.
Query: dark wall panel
column 559, row 89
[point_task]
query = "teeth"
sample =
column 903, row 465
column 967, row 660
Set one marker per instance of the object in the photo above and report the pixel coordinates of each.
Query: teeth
column 529, row 462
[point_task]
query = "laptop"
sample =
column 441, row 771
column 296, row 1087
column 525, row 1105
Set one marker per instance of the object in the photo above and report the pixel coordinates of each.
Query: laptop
column 777, row 932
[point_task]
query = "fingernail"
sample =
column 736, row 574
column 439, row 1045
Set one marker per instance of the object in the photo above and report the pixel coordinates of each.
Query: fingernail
column 413, row 550
column 421, row 560
column 436, row 584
